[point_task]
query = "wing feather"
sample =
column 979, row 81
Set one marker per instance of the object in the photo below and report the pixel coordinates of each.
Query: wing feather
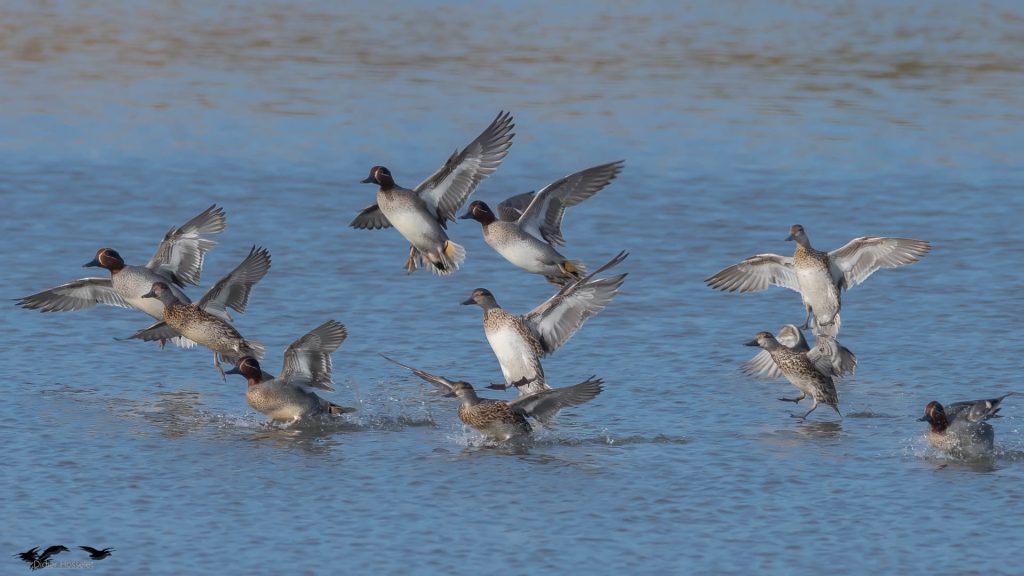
column 179, row 257
column 756, row 273
column 862, row 257
column 79, row 294
column 447, row 189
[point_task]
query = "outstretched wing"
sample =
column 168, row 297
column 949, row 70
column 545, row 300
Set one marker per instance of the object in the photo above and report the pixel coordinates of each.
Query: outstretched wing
column 557, row 319
column 544, row 405
column 442, row 383
column 308, row 360
column 76, row 295
column 756, row 273
column 862, row 257
column 543, row 217
column 510, row 209
column 232, row 291
column 159, row 331
column 179, row 258
column 446, row 190
column 371, row 218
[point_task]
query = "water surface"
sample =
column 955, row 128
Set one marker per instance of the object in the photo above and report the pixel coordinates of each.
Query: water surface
column 736, row 120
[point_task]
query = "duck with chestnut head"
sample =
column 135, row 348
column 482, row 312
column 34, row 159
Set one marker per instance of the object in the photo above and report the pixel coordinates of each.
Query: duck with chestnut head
column 528, row 227
column 421, row 214
column 178, row 262
column 961, row 428
column 290, row 397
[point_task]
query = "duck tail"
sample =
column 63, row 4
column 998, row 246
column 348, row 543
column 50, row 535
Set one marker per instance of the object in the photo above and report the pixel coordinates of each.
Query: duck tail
column 253, row 348
column 449, row 260
column 333, row 408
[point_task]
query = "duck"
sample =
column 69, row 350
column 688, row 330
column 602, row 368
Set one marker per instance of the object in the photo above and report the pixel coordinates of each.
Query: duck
column 503, row 420
column 763, row 366
column 813, row 373
column 960, row 429
column 44, row 559
column 178, row 263
column 819, row 277
column 529, row 227
column 307, row 366
column 421, row 214
column 97, row 554
column 206, row 322
column 519, row 342
column 29, row 556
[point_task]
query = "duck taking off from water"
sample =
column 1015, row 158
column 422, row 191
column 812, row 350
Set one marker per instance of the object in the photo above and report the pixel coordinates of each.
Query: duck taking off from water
column 505, row 420
column 178, row 262
column 421, row 214
column 819, row 277
column 307, row 366
column 520, row 341
column 529, row 226
column 813, row 373
column 207, row 322
column 961, row 428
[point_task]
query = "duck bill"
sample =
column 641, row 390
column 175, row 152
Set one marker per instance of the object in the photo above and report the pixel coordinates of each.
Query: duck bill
column 467, row 215
column 751, row 343
column 234, row 370
column 450, row 395
column 94, row 263
column 149, row 294
column 790, row 238
column 924, row 418
column 368, row 180
column 468, row 302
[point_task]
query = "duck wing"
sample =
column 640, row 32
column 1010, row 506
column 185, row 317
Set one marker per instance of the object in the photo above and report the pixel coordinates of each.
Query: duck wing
column 558, row 318
column 75, row 295
column 447, row 189
column 543, row 216
column 755, row 274
column 232, row 291
column 179, row 257
column 371, row 218
column 544, row 405
column 308, row 359
column 862, row 257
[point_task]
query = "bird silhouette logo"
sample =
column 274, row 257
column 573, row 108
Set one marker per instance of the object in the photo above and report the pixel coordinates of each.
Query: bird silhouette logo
column 97, row 554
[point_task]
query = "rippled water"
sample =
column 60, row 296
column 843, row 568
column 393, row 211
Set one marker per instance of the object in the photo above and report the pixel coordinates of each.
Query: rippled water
column 736, row 120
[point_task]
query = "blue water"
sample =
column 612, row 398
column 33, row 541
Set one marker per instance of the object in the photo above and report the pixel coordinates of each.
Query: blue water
column 121, row 119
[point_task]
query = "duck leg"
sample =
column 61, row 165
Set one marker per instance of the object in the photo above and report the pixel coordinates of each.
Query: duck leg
column 813, row 406
column 216, row 364
column 807, row 321
column 410, row 264
column 795, row 400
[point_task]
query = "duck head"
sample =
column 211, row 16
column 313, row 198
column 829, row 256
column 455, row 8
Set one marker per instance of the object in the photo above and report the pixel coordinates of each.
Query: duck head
column 380, row 176
column 162, row 292
column 480, row 212
column 464, row 392
column 481, row 297
column 935, row 415
column 248, row 367
column 763, row 340
column 106, row 258
column 797, row 234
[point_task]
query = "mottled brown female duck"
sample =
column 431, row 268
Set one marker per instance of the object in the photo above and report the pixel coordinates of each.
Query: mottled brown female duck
column 503, row 420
